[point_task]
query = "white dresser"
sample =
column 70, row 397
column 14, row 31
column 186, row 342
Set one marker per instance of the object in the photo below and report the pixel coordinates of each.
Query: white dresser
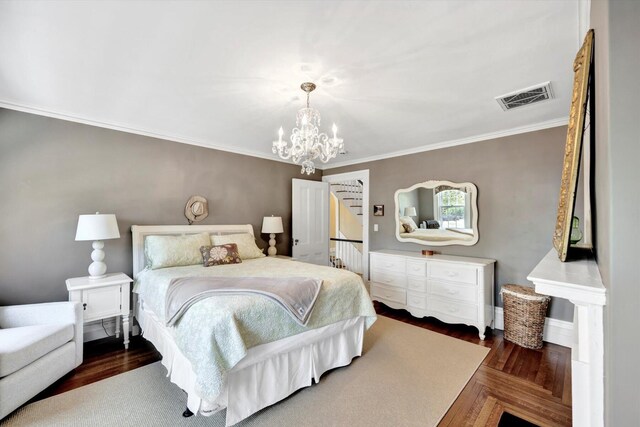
column 450, row 288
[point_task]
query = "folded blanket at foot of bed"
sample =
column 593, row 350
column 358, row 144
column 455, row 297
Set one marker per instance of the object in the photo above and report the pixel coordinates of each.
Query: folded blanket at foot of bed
column 296, row 295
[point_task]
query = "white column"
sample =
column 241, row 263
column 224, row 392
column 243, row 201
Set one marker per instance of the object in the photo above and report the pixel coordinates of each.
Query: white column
column 587, row 365
column 579, row 281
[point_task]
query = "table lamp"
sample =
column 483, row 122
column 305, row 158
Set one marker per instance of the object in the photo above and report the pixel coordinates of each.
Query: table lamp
column 410, row 211
column 97, row 227
column 272, row 225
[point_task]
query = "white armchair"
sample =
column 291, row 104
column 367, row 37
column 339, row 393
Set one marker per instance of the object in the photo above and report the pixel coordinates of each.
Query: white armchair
column 39, row 343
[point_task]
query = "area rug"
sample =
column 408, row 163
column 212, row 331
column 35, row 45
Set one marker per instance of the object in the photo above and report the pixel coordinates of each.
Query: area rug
column 407, row 376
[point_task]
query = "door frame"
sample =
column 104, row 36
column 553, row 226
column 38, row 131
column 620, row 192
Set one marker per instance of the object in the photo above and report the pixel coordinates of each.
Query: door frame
column 362, row 175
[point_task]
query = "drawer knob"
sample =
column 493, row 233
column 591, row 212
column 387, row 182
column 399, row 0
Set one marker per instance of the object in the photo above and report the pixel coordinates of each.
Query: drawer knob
column 84, row 306
column 452, row 273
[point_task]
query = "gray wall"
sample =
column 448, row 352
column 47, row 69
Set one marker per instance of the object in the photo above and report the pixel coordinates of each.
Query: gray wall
column 425, row 196
column 617, row 59
column 52, row 170
column 518, row 180
column 407, row 199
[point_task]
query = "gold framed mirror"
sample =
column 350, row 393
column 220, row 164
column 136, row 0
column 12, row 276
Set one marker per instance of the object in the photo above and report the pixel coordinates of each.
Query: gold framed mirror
column 573, row 147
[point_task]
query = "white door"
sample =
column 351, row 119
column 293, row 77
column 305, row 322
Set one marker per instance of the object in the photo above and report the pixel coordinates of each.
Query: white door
column 310, row 221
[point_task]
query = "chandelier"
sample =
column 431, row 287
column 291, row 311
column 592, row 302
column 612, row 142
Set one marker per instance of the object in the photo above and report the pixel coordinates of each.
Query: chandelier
column 307, row 143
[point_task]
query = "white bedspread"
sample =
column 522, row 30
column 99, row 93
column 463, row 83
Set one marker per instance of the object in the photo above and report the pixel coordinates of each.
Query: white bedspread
column 216, row 333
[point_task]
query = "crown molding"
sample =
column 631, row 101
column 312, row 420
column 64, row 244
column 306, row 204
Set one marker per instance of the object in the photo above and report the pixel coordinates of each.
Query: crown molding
column 143, row 132
column 252, row 153
column 455, row 142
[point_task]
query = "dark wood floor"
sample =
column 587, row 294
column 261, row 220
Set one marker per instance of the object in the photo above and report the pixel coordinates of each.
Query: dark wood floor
column 534, row 385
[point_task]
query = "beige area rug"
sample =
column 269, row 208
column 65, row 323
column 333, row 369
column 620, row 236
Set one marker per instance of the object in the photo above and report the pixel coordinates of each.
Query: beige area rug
column 407, row 376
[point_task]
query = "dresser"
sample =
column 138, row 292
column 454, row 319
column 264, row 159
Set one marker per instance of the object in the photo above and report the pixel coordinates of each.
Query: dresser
column 450, row 288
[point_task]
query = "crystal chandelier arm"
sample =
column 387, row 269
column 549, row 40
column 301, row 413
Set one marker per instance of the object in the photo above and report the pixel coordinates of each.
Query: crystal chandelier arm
column 322, row 148
column 331, row 147
column 298, row 149
column 280, row 148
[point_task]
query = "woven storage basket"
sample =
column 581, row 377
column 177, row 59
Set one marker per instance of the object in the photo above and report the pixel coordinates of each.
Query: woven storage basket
column 524, row 313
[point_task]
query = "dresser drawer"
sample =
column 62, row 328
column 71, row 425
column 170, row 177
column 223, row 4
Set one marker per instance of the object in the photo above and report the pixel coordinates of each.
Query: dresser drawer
column 388, row 293
column 468, row 293
column 417, row 300
column 454, row 273
column 388, row 263
column 389, row 279
column 416, row 268
column 417, row 284
column 453, row 309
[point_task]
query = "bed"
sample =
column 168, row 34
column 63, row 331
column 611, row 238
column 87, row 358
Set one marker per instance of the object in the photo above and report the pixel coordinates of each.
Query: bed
column 242, row 353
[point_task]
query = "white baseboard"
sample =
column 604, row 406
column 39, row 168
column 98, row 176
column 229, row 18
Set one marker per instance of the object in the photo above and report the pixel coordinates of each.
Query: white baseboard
column 555, row 331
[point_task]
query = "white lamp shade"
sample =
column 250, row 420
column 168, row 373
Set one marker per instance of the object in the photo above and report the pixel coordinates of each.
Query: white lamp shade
column 272, row 224
column 97, row 227
column 410, row 211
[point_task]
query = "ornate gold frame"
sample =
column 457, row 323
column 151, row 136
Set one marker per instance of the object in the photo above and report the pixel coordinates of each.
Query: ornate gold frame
column 573, row 147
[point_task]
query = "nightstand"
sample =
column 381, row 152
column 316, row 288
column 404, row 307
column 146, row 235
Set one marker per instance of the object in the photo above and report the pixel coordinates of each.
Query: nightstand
column 104, row 298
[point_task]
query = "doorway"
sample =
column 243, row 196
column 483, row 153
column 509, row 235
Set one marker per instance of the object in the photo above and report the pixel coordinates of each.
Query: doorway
column 349, row 221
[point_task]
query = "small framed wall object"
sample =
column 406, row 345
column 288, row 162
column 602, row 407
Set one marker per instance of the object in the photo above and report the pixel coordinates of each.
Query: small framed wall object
column 378, row 210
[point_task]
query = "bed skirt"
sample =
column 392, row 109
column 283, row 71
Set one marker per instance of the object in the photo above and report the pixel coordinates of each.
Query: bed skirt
column 269, row 373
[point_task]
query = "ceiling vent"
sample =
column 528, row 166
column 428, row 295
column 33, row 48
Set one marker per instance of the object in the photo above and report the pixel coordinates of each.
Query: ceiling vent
column 527, row 96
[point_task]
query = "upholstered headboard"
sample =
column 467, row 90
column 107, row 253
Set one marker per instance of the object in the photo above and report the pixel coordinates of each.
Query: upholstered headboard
column 139, row 232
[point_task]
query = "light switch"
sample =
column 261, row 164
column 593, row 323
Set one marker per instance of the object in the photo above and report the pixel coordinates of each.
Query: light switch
column 375, row 227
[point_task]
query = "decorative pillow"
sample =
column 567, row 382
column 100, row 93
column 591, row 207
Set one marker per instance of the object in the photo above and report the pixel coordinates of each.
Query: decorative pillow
column 247, row 247
column 220, row 254
column 408, row 220
column 409, row 228
column 174, row 251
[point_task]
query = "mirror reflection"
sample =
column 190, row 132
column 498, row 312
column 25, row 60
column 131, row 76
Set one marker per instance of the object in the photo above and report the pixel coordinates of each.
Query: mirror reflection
column 437, row 213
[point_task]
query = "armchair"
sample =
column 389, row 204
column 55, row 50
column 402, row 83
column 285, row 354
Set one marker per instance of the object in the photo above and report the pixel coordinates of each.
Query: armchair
column 39, row 343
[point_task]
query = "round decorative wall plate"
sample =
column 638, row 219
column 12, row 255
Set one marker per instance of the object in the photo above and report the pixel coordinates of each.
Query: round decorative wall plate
column 196, row 209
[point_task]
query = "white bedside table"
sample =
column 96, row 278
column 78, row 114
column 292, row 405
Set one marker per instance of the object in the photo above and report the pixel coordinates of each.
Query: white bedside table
column 104, row 298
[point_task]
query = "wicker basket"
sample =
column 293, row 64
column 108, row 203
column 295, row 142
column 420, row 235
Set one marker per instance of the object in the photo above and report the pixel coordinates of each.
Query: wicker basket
column 524, row 313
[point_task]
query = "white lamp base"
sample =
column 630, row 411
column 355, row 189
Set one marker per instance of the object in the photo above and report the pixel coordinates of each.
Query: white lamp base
column 272, row 251
column 97, row 269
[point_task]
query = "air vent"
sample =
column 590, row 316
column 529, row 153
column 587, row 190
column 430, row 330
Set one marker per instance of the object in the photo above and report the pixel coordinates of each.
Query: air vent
column 528, row 96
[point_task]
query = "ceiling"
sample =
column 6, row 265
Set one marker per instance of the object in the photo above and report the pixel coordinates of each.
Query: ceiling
column 395, row 76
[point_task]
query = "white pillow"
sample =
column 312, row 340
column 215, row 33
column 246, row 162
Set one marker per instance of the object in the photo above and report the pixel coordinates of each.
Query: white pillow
column 409, row 221
column 246, row 243
column 174, row 251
